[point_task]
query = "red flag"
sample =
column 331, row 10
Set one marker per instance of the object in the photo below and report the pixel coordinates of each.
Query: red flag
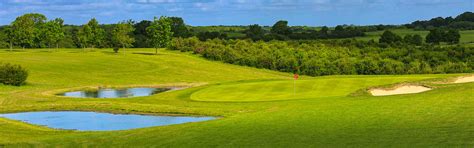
column 296, row 76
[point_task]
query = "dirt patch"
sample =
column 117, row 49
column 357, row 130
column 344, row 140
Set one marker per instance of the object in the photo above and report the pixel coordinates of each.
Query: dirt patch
column 465, row 79
column 405, row 89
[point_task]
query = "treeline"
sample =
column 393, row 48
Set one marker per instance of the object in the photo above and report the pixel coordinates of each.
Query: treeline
column 36, row 31
column 464, row 21
column 436, row 36
column 281, row 31
column 330, row 57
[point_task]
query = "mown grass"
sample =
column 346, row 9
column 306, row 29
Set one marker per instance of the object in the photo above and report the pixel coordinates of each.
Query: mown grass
column 257, row 107
column 299, row 89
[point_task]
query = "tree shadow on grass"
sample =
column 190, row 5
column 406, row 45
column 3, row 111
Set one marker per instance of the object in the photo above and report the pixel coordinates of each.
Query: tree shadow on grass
column 50, row 51
column 111, row 52
column 15, row 50
column 146, row 53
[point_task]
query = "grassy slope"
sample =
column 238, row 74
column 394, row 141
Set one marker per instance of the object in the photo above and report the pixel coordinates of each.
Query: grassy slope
column 283, row 89
column 441, row 117
column 466, row 36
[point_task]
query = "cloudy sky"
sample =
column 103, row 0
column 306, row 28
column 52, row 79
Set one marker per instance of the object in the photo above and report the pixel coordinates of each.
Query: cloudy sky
column 240, row 12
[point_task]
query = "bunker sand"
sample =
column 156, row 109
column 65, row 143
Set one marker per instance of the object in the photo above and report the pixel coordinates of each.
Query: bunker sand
column 405, row 89
column 465, row 79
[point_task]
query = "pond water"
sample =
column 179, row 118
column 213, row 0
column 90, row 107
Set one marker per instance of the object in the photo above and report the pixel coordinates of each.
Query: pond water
column 116, row 93
column 93, row 121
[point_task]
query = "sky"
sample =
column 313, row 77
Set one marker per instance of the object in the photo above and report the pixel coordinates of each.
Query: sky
column 239, row 12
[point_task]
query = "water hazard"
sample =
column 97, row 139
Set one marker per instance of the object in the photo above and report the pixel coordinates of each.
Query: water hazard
column 94, row 121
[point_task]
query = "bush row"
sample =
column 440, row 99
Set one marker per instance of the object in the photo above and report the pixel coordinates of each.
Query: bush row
column 328, row 57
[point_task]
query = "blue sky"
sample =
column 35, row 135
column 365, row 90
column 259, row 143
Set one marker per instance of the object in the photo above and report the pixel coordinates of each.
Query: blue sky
column 240, row 12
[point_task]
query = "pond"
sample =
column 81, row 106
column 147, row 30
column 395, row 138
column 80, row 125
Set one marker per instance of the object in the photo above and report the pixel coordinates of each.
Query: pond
column 94, row 121
column 116, row 93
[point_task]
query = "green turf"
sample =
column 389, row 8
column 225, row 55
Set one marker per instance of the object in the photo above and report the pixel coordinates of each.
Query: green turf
column 299, row 89
column 257, row 108
column 467, row 36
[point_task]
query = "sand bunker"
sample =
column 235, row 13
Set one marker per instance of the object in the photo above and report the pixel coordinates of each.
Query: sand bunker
column 466, row 79
column 406, row 89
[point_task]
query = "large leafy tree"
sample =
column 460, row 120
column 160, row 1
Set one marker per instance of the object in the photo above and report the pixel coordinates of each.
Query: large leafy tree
column 140, row 34
column 452, row 36
column 121, row 34
column 255, row 32
column 178, row 27
column 25, row 29
column 281, row 27
column 52, row 32
column 91, row 34
column 83, row 36
column 8, row 36
column 435, row 36
column 98, row 34
column 389, row 37
column 160, row 33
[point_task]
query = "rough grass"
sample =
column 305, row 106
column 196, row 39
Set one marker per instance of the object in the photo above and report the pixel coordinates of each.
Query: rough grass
column 321, row 114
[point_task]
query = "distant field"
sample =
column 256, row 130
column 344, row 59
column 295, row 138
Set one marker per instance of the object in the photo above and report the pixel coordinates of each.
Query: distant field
column 256, row 107
column 466, row 36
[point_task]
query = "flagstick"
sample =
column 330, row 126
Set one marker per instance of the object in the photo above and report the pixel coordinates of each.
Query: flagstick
column 294, row 87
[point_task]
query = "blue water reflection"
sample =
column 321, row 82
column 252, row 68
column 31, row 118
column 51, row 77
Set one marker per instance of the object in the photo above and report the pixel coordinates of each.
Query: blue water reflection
column 116, row 93
column 93, row 121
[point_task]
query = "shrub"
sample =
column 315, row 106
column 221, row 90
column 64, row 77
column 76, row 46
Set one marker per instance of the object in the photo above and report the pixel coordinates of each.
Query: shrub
column 11, row 74
column 116, row 49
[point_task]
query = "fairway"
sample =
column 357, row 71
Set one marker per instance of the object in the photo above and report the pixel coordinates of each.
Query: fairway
column 255, row 107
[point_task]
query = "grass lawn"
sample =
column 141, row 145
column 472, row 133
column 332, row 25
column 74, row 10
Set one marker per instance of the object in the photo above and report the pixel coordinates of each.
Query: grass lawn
column 256, row 107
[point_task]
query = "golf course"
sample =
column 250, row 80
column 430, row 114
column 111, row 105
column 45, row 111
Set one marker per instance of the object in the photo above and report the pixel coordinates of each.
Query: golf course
column 253, row 107
column 236, row 73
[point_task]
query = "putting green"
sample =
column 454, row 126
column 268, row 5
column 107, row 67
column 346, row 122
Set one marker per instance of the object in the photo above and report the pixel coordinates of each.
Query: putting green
column 300, row 89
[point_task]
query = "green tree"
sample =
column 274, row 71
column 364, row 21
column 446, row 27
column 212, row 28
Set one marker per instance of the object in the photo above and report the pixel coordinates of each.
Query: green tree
column 83, row 36
column 417, row 40
column 121, row 34
column 52, row 32
column 178, row 27
column 3, row 37
column 389, row 37
column 9, row 37
column 255, row 32
column 452, row 36
column 25, row 29
column 91, row 34
column 97, row 35
column 435, row 36
column 413, row 39
column 160, row 33
column 408, row 38
column 466, row 16
column 281, row 28
column 140, row 34
column 324, row 32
